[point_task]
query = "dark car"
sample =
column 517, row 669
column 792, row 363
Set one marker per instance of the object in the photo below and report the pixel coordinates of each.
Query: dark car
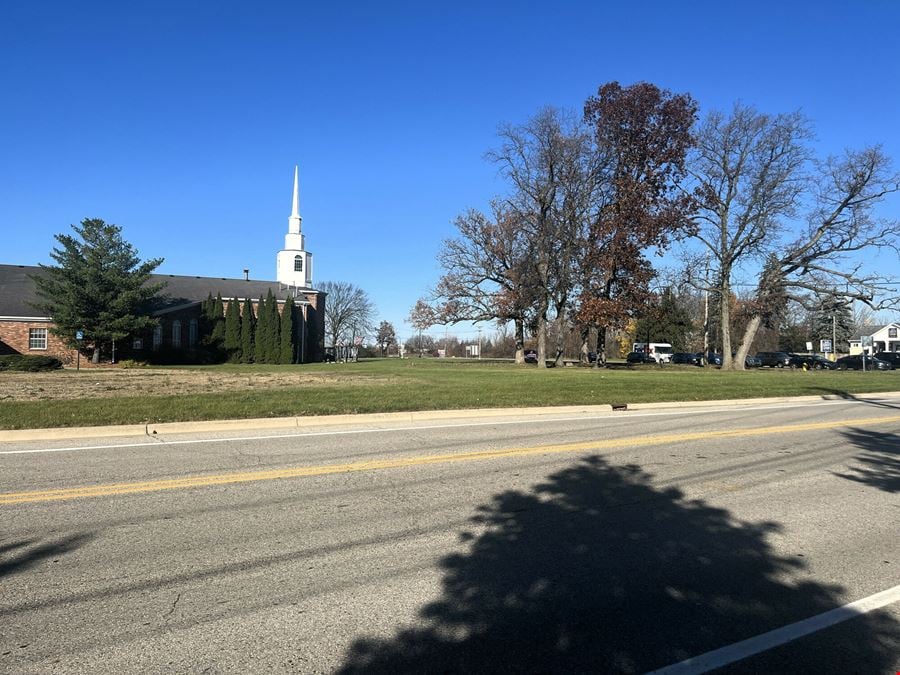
column 855, row 362
column 530, row 356
column 752, row 362
column 774, row 359
column 714, row 359
column 891, row 357
column 688, row 358
column 812, row 362
column 639, row 357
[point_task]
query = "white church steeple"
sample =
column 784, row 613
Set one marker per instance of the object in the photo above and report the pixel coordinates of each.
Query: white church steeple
column 294, row 263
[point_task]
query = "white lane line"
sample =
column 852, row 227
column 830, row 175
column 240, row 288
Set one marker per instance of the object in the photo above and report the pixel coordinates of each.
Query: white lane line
column 613, row 417
column 775, row 638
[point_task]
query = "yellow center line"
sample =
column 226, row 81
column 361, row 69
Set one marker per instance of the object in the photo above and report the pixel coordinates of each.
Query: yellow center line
column 186, row 482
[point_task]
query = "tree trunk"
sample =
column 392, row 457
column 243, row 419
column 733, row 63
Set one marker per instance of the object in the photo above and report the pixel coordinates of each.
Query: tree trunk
column 601, row 347
column 96, row 357
column 560, row 324
column 725, row 323
column 542, row 339
column 747, row 340
column 520, row 340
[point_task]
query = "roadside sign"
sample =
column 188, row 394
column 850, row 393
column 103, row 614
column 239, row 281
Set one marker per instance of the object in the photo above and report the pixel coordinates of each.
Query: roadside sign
column 809, row 346
column 867, row 340
column 825, row 346
column 79, row 335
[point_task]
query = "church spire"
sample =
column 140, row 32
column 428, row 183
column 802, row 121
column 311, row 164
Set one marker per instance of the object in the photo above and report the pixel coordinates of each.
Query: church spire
column 294, row 262
column 295, row 219
column 295, row 212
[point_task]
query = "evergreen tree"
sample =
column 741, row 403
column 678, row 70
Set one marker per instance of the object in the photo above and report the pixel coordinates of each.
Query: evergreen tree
column 666, row 320
column 261, row 334
column 99, row 286
column 232, row 340
column 287, row 331
column 273, row 346
column 217, row 333
column 834, row 319
column 248, row 329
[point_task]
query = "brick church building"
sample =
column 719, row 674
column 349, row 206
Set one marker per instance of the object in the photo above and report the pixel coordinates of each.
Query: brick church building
column 177, row 308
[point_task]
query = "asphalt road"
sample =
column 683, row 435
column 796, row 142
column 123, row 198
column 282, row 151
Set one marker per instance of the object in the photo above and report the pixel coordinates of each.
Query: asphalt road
column 621, row 542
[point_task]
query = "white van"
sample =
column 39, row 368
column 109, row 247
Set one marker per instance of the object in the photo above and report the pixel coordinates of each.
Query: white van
column 660, row 351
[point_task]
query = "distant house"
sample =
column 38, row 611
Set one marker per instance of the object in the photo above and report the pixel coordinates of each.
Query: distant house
column 23, row 330
column 884, row 339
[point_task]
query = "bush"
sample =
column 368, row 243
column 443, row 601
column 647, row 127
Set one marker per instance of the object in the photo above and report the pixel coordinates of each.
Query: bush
column 132, row 363
column 29, row 364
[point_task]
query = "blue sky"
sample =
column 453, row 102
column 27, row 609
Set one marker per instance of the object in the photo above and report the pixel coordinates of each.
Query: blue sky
column 182, row 121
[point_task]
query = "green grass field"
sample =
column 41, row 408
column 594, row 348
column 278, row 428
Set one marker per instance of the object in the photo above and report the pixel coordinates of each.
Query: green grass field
column 430, row 384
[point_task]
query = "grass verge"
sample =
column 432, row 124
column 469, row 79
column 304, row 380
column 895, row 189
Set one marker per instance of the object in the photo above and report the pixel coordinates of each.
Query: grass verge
column 412, row 384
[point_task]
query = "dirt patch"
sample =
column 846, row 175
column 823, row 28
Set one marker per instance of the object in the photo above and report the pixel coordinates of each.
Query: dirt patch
column 116, row 383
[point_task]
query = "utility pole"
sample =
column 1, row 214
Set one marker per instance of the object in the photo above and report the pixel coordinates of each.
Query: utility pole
column 833, row 336
column 479, row 342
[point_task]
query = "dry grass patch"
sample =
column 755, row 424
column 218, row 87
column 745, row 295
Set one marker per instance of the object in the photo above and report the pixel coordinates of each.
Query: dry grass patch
column 96, row 383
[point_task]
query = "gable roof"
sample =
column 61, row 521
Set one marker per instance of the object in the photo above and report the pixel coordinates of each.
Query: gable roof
column 18, row 292
column 874, row 330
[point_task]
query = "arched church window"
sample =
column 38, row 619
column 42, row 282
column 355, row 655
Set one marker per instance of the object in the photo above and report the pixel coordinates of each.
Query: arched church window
column 298, row 263
column 193, row 330
column 157, row 336
column 176, row 333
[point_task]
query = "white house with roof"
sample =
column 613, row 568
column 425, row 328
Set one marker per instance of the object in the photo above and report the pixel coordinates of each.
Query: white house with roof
column 884, row 339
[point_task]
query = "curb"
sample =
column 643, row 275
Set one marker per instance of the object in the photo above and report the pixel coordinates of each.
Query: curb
column 388, row 419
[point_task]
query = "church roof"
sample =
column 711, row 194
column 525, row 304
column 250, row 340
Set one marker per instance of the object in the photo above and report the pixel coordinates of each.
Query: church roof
column 18, row 293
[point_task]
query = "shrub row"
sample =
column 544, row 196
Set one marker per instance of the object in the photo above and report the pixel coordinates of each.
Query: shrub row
column 31, row 364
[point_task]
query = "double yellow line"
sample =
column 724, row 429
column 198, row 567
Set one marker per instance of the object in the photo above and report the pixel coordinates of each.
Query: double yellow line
column 113, row 489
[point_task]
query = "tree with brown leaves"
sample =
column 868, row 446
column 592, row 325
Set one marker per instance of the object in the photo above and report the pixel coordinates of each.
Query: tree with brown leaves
column 642, row 135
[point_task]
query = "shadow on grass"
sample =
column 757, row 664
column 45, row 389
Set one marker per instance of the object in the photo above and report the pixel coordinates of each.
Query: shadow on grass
column 18, row 556
column 596, row 570
column 880, row 459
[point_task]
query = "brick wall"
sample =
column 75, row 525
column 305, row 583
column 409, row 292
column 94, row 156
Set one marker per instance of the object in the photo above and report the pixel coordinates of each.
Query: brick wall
column 14, row 334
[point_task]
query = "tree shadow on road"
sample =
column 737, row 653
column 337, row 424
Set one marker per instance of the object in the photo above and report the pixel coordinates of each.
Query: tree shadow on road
column 18, row 556
column 597, row 570
column 847, row 396
column 880, row 459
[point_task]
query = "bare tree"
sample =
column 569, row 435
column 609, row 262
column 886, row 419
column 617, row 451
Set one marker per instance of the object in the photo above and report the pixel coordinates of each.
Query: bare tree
column 385, row 337
column 824, row 259
column 750, row 173
column 421, row 317
column 538, row 158
column 488, row 273
column 348, row 312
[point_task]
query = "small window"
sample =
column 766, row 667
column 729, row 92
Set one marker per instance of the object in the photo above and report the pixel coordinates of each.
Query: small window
column 892, row 333
column 176, row 333
column 157, row 336
column 37, row 338
column 137, row 344
column 192, row 333
column 298, row 263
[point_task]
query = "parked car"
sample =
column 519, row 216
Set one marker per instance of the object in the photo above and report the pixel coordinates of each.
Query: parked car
column 639, row 357
column 812, row 361
column 752, row 362
column 774, row 359
column 688, row 358
column 855, row 362
column 891, row 357
column 530, row 356
column 714, row 359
